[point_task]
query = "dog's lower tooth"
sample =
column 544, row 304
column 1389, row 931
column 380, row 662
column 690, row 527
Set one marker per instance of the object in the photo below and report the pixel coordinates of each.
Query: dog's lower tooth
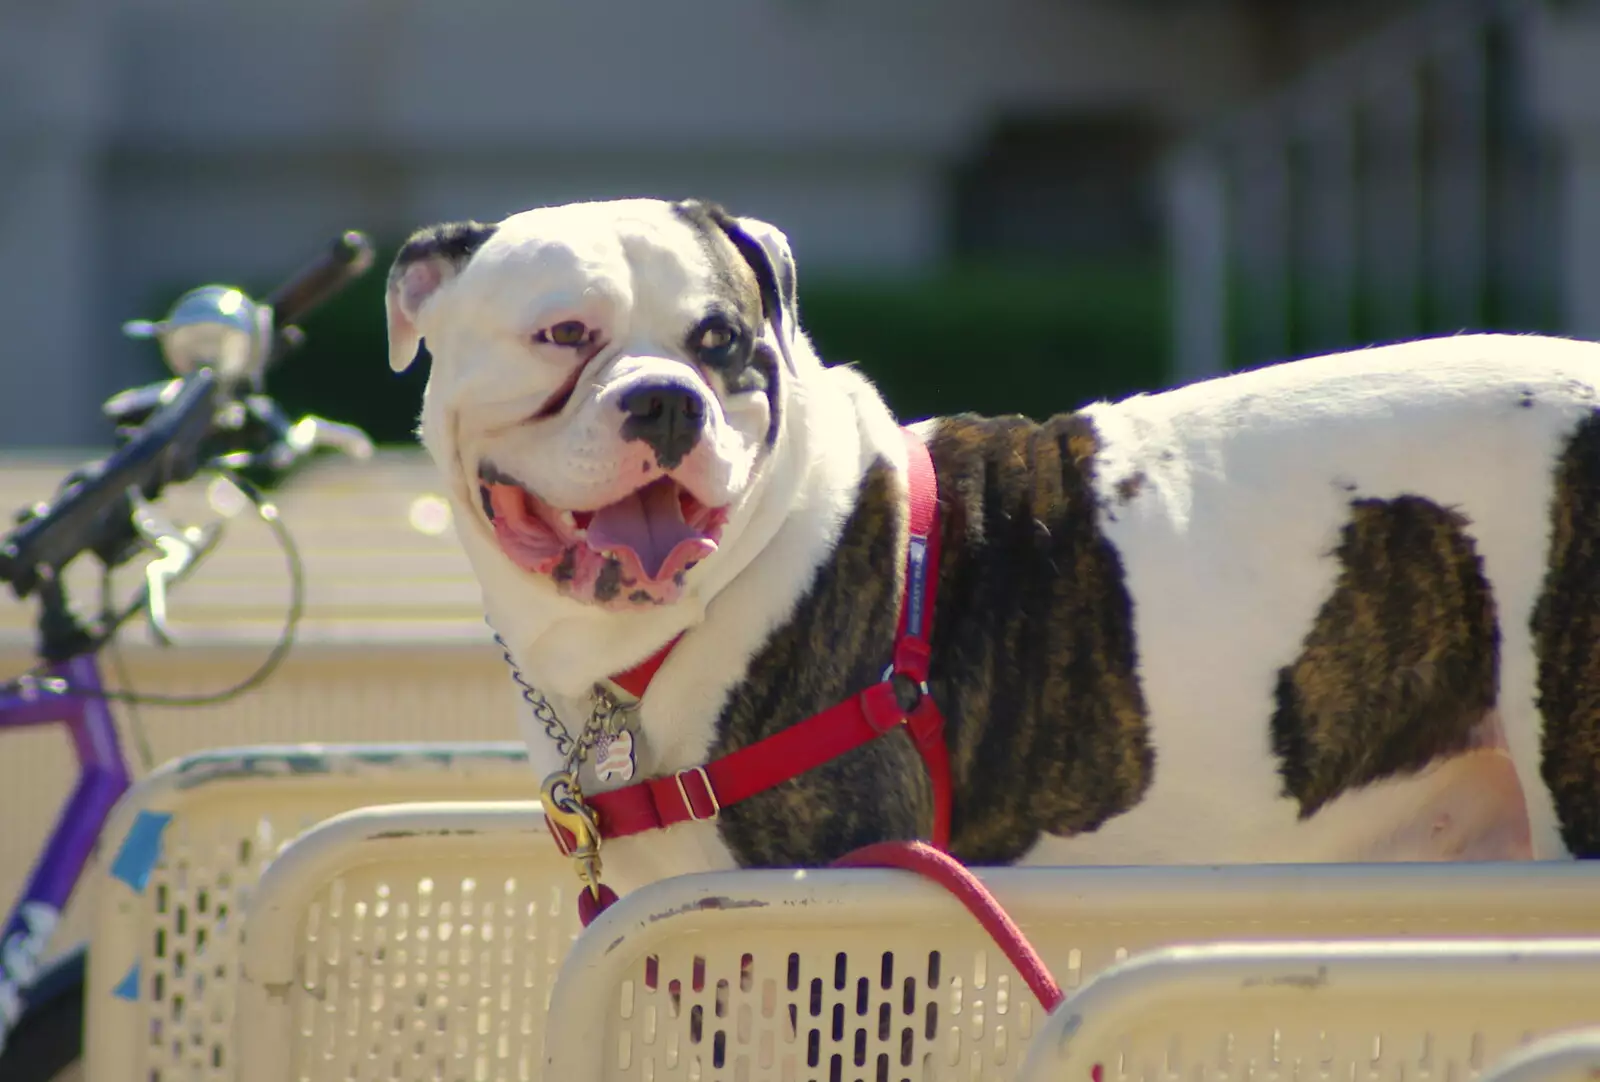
column 567, row 519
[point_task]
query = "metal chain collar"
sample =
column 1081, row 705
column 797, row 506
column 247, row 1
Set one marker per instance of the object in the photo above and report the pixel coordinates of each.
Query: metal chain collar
column 605, row 720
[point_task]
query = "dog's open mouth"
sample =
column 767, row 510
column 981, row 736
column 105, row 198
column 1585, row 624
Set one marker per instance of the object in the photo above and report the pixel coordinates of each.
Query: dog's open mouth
column 631, row 552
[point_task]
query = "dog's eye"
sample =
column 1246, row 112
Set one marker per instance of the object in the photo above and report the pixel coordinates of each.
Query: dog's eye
column 569, row 332
column 717, row 337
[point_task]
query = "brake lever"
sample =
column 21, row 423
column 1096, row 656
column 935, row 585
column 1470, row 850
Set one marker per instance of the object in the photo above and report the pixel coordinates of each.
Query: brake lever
column 292, row 441
column 312, row 432
column 181, row 549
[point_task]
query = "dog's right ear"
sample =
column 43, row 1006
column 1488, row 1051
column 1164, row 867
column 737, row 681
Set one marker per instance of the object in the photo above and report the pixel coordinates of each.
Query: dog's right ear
column 425, row 262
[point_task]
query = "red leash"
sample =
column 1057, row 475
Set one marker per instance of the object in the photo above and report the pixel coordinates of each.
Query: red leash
column 954, row 877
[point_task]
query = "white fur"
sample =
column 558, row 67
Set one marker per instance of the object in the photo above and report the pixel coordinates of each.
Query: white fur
column 1226, row 549
column 1226, row 544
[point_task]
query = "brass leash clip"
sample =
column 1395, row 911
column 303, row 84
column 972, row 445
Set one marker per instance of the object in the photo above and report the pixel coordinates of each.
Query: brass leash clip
column 563, row 804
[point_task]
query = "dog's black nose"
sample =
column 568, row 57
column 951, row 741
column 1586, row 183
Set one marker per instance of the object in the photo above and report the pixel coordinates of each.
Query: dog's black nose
column 668, row 417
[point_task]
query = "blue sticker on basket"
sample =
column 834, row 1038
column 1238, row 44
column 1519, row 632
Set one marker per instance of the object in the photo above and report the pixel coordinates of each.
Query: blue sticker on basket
column 129, row 988
column 140, row 849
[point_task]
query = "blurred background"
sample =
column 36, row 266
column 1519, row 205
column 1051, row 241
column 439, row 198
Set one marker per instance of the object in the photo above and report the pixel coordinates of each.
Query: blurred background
column 1013, row 205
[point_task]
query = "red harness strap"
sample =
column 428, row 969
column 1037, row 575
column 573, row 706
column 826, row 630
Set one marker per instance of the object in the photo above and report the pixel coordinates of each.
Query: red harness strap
column 701, row 792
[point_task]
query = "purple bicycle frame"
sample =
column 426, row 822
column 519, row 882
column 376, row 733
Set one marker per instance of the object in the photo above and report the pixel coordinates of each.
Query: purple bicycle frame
column 102, row 779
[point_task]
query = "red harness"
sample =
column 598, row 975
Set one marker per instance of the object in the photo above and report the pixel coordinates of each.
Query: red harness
column 701, row 792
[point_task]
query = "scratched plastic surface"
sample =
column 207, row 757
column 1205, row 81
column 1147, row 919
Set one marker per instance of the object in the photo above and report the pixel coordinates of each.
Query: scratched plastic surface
column 874, row 976
column 1450, row 1012
column 231, row 813
column 419, row 941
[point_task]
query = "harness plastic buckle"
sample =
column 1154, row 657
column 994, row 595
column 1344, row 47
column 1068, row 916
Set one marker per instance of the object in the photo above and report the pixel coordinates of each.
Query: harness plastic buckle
column 880, row 707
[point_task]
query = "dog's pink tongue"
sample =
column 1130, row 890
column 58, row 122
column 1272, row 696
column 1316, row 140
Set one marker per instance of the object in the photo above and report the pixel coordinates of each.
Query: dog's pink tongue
column 649, row 525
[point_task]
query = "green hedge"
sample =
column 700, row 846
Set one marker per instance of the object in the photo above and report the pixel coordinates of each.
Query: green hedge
column 1369, row 322
column 985, row 339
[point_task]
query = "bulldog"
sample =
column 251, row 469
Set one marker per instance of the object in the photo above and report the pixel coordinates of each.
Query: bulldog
column 1345, row 608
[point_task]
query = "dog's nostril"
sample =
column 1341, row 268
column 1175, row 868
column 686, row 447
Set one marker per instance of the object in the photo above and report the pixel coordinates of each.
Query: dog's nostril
column 667, row 417
column 654, row 403
column 664, row 403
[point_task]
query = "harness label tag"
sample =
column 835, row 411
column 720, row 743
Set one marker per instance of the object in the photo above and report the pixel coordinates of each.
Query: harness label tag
column 917, row 576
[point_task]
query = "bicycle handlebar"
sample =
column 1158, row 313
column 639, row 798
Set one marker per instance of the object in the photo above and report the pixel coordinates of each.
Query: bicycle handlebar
column 164, row 450
column 345, row 260
column 205, row 415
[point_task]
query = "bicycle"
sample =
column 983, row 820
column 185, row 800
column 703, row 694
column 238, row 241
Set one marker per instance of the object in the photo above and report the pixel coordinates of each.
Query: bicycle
column 211, row 417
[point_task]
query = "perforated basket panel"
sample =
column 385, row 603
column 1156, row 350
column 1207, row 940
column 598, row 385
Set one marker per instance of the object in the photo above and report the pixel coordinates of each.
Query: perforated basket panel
column 417, row 942
column 874, row 975
column 185, row 852
column 1394, row 1011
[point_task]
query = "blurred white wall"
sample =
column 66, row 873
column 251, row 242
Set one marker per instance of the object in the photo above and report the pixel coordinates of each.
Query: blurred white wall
column 145, row 144
column 149, row 144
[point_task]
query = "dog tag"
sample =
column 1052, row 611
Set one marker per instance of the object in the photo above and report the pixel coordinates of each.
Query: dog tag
column 614, row 756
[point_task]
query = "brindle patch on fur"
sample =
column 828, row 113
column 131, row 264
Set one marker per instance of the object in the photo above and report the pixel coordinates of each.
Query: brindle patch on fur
column 454, row 242
column 836, row 643
column 1402, row 661
column 739, row 280
column 1566, row 631
column 1033, row 661
column 752, row 286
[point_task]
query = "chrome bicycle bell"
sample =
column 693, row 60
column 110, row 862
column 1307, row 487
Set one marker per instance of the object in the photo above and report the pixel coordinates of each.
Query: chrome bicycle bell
column 216, row 327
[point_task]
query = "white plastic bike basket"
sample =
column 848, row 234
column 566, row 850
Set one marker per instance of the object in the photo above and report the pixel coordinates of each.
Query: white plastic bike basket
column 1570, row 1056
column 874, row 975
column 1377, row 1010
column 181, row 857
column 408, row 942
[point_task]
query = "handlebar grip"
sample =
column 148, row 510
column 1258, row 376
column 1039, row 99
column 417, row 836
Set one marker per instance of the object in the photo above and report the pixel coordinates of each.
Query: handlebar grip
column 345, row 260
column 165, row 450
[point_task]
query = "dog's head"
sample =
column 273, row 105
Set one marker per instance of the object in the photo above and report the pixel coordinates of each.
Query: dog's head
column 608, row 384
